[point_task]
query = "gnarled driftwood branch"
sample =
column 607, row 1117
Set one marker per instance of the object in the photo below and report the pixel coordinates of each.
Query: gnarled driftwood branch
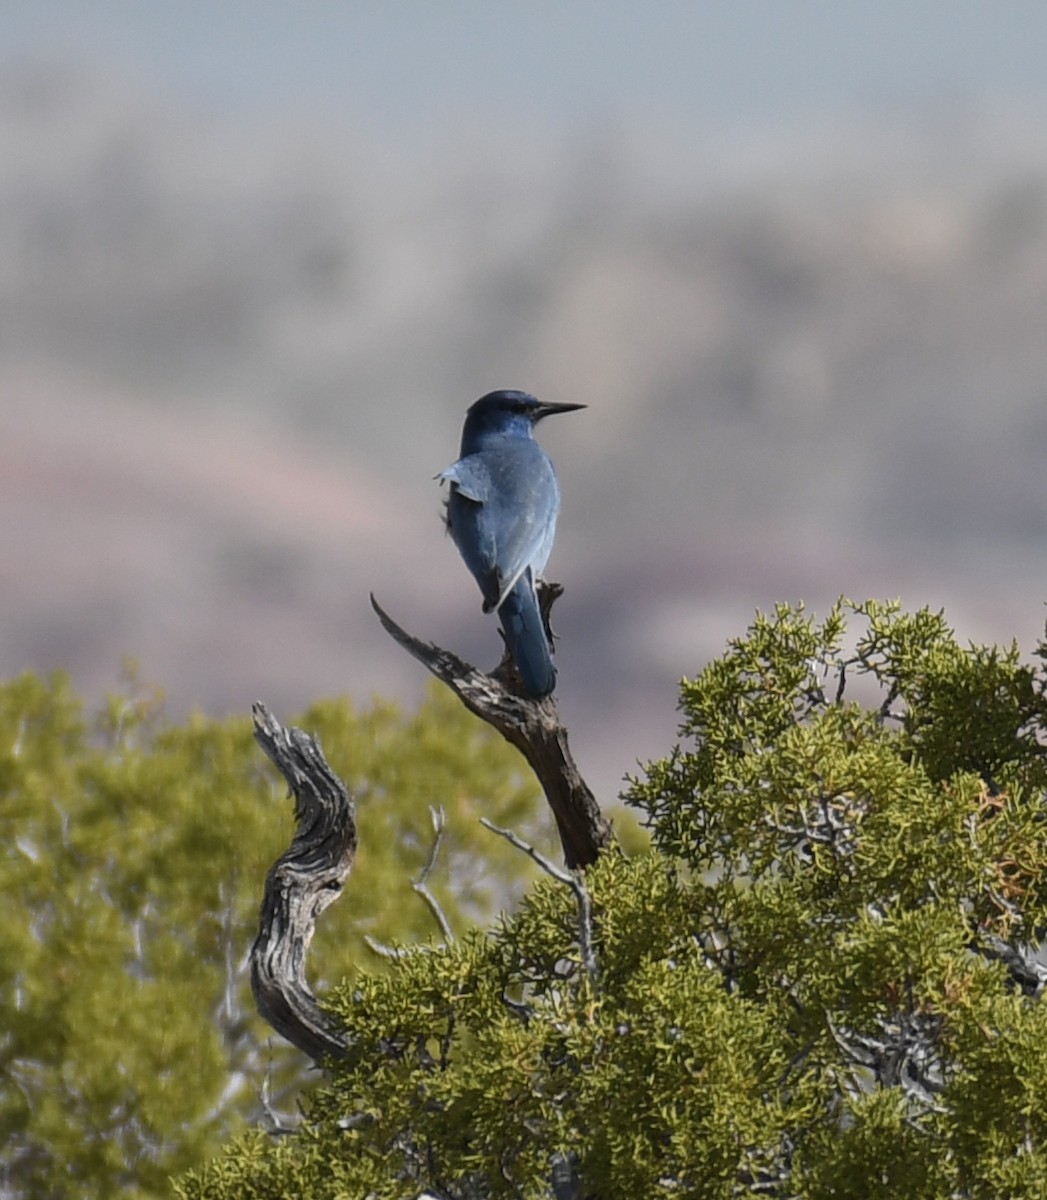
column 532, row 726
column 302, row 882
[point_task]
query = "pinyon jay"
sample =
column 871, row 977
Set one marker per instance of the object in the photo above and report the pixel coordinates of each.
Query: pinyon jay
column 501, row 513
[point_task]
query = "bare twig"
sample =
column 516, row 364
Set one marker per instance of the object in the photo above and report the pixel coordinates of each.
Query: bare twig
column 421, row 884
column 384, row 951
column 277, row 1125
column 574, row 881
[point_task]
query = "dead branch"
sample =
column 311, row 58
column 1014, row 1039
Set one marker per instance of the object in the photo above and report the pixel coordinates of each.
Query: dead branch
column 574, row 880
column 532, row 726
column 311, row 873
column 302, row 882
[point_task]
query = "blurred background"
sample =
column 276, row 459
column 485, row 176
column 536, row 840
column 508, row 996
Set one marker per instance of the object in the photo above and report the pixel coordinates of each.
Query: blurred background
column 257, row 258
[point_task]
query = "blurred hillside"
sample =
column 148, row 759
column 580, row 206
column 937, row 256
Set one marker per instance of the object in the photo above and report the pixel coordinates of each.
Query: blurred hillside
column 233, row 356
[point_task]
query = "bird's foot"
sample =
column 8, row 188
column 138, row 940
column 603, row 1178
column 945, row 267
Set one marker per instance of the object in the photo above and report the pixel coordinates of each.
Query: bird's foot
column 548, row 594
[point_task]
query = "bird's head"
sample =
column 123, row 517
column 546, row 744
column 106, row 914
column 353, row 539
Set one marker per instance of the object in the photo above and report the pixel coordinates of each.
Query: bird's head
column 509, row 411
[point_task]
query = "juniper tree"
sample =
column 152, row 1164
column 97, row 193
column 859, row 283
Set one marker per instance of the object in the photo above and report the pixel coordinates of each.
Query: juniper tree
column 131, row 850
column 823, row 980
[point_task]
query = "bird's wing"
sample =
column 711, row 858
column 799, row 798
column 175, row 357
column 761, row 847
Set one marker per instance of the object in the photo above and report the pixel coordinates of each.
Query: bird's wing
column 517, row 550
column 502, row 514
column 469, row 477
column 470, row 522
column 521, row 514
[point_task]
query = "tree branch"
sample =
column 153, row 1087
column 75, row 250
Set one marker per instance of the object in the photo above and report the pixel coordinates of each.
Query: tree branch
column 310, row 874
column 302, row 882
column 574, row 881
column 421, row 885
column 532, row 726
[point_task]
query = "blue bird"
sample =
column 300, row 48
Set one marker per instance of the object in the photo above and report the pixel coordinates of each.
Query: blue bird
column 501, row 514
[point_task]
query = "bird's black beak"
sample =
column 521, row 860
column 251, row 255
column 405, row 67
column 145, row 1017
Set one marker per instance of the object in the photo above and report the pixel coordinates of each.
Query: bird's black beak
column 548, row 410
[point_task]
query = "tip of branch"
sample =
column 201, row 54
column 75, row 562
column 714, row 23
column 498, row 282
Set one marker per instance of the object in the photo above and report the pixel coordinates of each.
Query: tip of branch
column 388, row 624
column 265, row 724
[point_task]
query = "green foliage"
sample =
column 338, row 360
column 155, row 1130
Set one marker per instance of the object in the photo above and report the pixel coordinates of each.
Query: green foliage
column 132, row 856
column 819, row 985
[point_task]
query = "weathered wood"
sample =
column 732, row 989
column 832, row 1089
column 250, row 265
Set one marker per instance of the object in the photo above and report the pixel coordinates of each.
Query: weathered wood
column 310, row 874
column 302, row 882
column 532, row 726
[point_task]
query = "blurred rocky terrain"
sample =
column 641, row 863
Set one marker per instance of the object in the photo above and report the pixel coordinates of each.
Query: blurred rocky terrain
column 233, row 356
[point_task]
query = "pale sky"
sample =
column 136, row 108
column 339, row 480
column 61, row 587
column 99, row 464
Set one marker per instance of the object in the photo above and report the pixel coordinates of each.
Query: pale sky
column 404, row 66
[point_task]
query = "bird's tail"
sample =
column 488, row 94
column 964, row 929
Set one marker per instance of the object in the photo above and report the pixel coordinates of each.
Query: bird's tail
column 526, row 638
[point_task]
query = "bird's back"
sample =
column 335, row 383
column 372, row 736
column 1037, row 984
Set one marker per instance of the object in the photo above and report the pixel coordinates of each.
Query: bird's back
column 516, row 521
